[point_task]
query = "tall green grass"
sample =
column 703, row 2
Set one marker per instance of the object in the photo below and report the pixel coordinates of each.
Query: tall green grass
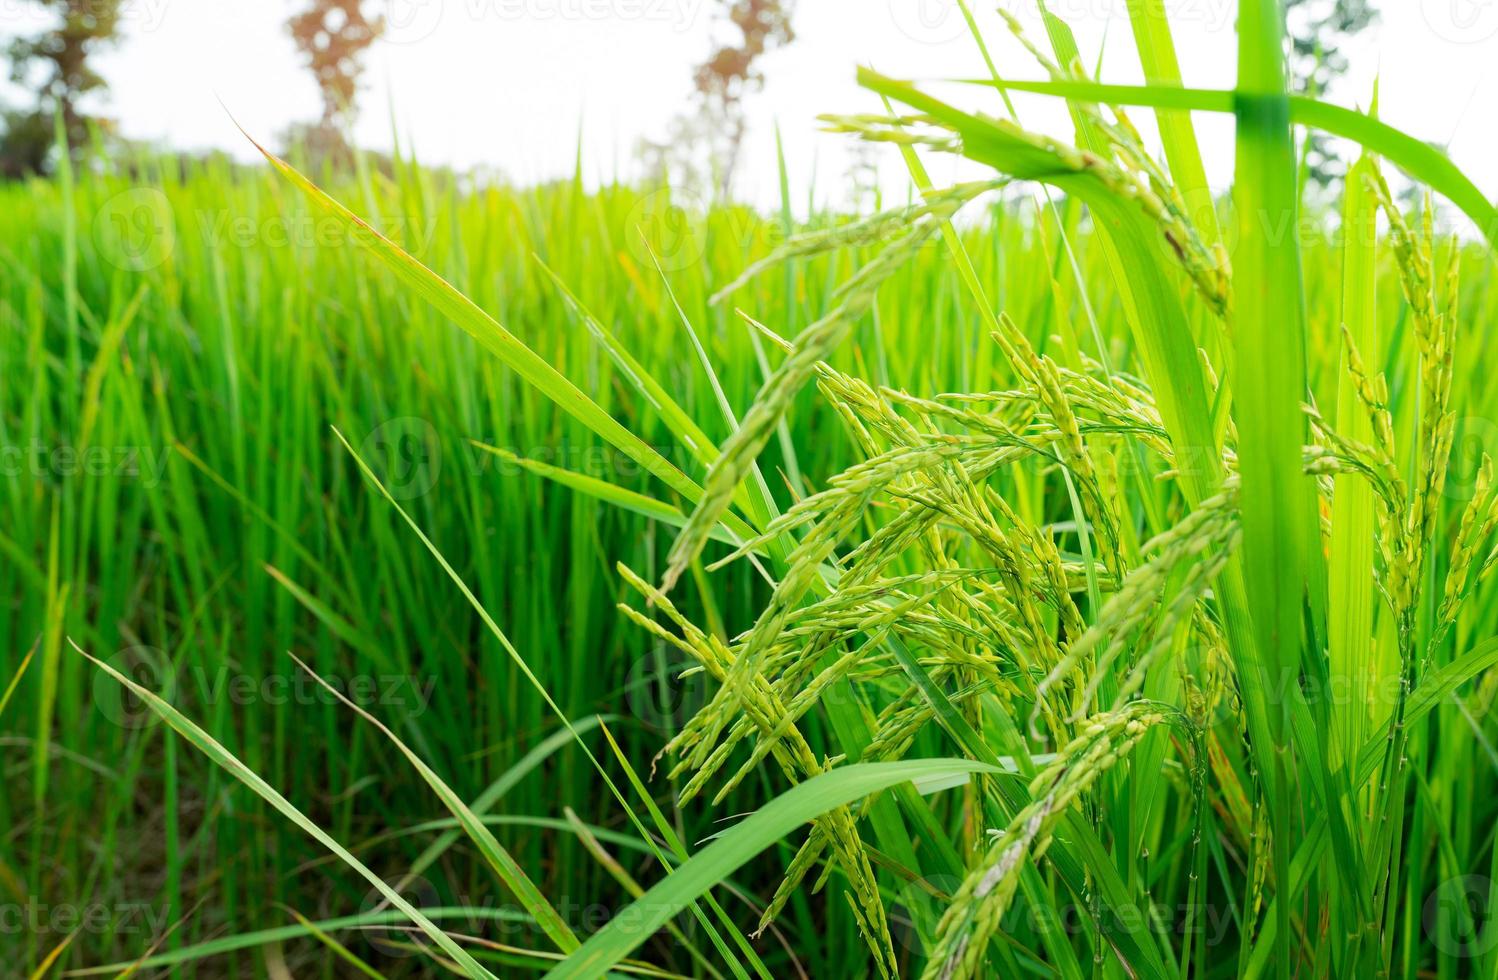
column 1112, row 604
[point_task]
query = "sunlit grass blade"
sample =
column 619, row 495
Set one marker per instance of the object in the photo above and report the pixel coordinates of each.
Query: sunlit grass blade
column 1157, row 55
column 1419, row 159
column 45, row 966
column 606, row 491
column 483, row 328
column 677, row 420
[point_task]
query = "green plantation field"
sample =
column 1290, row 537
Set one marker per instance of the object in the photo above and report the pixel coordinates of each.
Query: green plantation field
column 1109, row 590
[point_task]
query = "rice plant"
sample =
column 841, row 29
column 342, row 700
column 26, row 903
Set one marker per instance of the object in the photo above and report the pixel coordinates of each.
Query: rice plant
column 1078, row 592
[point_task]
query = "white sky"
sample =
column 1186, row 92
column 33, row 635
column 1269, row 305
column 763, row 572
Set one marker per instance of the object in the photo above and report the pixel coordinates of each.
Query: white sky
column 509, row 83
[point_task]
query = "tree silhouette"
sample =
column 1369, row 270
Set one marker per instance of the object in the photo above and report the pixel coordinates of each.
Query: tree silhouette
column 332, row 36
column 55, row 64
column 732, row 71
column 1319, row 29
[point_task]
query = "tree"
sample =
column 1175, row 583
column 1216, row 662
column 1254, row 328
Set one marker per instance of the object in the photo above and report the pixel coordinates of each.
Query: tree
column 723, row 81
column 332, row 36
column 1318, row 31
column 55, row 64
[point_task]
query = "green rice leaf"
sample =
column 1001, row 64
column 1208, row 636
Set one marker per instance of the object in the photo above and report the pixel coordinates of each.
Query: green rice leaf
column 231, row 764
column 734, row 847
column 494, row 852
column 1420, row 160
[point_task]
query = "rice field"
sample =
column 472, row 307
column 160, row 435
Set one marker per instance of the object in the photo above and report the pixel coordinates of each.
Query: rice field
column 409, row 576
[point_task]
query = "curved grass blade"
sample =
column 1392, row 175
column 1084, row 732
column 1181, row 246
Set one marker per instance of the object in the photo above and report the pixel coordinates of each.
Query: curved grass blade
column 231, row 764
column 496, row 790
column 10, row 689
column 698, row 443
column 276, row 934
column 488, row 332
column 638, row 922
column 45, row 966
column 494, row 852
column 339, row 950
column 541, row 690
column 620, row 874
column 1420, row 160
column 609, row 493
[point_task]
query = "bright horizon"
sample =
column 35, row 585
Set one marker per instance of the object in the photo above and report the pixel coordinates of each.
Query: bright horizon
column 519, row 80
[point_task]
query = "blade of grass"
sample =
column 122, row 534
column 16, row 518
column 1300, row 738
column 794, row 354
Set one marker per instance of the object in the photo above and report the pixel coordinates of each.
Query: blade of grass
column 1277, row 500
column 483, row 328
column 735, row 847
column 342, row 952
column 504, row 865
column 530, row 676
column 1420, row 160
column 609, row 493
column 1350, row 578
column 231, row 764
column 225, row 945
column 10, row 689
